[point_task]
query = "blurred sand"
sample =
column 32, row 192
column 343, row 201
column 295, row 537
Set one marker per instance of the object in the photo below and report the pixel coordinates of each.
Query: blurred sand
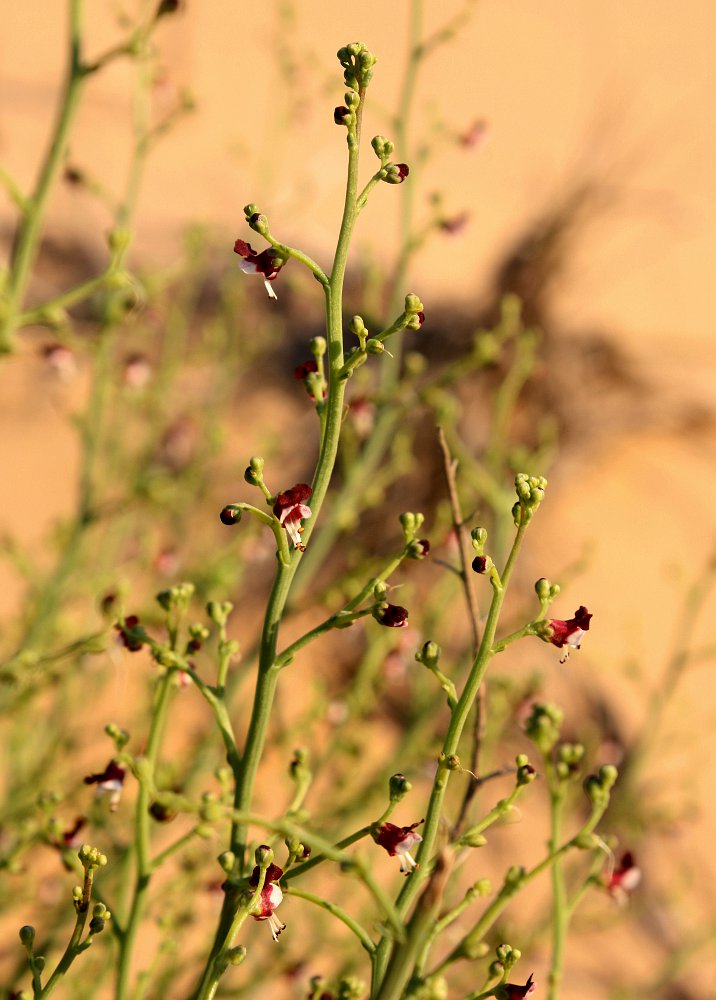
column 614, row 94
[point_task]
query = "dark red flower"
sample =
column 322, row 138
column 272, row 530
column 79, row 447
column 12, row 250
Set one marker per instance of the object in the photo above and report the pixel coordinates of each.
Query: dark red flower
column 392, row 616
column 110, row 781
column 397, row 841
column 290, row 509
column 570, row 632
column 510, row 991
column 267, row 263
column 479, row 564
column 271, row 896
column 340, row 114
column 301, row 372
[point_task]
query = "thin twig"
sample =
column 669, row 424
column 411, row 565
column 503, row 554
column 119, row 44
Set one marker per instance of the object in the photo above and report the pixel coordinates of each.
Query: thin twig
column 464, row 547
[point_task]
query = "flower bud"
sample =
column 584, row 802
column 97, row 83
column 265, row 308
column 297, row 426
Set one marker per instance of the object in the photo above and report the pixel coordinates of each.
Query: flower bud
column 374, row 346
column 219, row 611
column 254, row 474
column 543, row 726
column 263, row 855
column 231, row 514
column 27, row 936
column 479, row 537
column 318, row 346
column 542, row 589
column 470, row 839
column 236, row 955
column 429, row 654
column 398, row 787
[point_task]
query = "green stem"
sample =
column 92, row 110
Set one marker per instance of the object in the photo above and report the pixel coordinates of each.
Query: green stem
column 560, row 910
column 27, row 239
column 144, row 864
column 338, row 912
column 450, row 747
column 73, row 949
column 268, row 669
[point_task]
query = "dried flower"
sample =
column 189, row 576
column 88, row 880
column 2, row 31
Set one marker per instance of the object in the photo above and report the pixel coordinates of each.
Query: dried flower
column 397, row 840
column 270, row 897
column 110, row 781
column 267, row 263
column 290, row 509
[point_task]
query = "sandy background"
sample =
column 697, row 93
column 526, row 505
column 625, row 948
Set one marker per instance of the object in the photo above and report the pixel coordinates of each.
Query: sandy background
column 615, row 95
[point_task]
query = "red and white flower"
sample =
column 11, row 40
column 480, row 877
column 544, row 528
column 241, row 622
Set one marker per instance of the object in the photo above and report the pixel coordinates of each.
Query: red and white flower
column 267, row 263
column 290, row 509
column 109, row 782
column 270, row 897
column 397, row 841
column 569, row 633
column 624, row 879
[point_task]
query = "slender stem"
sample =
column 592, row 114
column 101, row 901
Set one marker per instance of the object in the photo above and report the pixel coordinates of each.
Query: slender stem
column 73, row 949
column 144, row 864
column 27, row 238
column 268, row 669
column 449, row 752
column 560, row 911
column 338, row 912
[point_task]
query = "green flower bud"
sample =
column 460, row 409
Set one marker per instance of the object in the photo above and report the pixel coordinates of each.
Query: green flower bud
column 470, row 839
column 119, row 239
column 432, row 988
column 350, row 988
column 543, row 726
column 318, row 346
column 357, row 326
column 413, row 305
column 474, row 949
column 543, row 588
column 483, row 887
column 374, row 346
column 219, row 611
column 27, row 936
column 608, row 775
column 39, row 963
column 227, row 860
column 398, row 787
column 429, row 654
column 236, row 955
column 263, row 855
column 586, row 842
column 479, row 537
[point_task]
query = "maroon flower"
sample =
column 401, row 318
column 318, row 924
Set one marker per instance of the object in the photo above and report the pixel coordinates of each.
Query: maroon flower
column 290, row 509
column 267, row 263
column 510, row 991
column 301, row 372
column 569, row 633
column 271, row 896
column 624, row 879
column 479, row 564
column 341, row 115
column 397, row 840
column 131, row 634
column 392, row 616
column 109, row 781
